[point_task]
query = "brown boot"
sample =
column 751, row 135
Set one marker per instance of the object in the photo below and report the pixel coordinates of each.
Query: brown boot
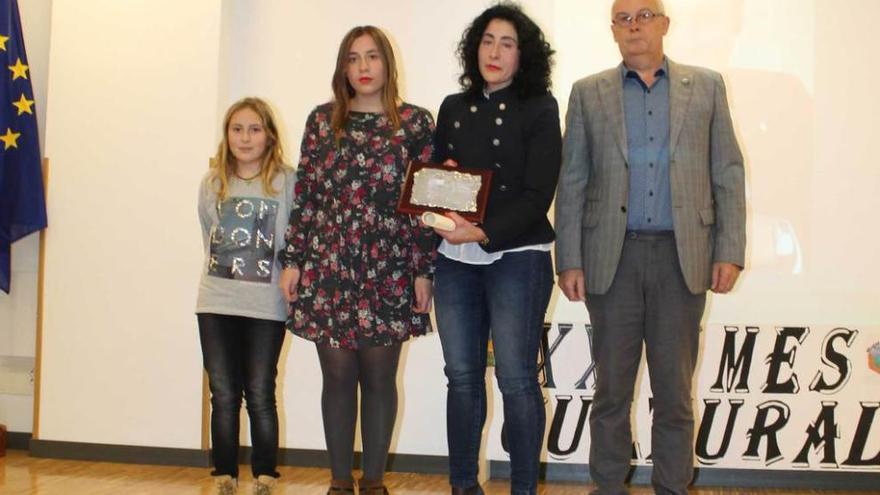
column 371, row 487
column 341, row 487
column 264, row 485
column 226, row 485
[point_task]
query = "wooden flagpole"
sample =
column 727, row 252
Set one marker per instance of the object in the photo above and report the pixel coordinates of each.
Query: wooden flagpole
column 41, row 276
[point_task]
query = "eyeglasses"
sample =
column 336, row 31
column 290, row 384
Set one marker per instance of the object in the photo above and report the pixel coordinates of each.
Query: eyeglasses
column 644, row 16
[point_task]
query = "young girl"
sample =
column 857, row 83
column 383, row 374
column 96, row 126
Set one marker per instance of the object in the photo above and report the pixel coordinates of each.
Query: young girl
column 244, row 205
column 357, row 273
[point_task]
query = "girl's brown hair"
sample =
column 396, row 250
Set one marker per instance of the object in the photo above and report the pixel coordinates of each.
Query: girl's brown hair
column 343, row 92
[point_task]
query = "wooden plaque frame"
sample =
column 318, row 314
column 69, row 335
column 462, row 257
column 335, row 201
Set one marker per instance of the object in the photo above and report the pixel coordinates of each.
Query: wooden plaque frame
column 405, row 205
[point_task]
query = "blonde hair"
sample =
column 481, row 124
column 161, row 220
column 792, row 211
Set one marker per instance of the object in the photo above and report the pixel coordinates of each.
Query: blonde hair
column 223, row 164
column 343, row 92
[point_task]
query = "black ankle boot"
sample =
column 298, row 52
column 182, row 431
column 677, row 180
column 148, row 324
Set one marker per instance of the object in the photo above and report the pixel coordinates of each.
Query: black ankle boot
column 474, row 490
column 341, row 487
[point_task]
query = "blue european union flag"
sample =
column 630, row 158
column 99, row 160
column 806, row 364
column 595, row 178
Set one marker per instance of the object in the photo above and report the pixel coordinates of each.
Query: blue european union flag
column 22, row 200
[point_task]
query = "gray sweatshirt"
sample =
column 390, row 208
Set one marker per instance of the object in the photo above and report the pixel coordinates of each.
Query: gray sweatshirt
column 242, row 236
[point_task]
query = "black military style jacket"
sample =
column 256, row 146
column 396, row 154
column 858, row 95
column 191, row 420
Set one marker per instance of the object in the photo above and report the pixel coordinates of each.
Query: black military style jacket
column 520, row 141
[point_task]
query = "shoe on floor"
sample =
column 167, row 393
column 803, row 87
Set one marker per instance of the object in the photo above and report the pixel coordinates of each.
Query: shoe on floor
column 226, row 485
column 264, row 484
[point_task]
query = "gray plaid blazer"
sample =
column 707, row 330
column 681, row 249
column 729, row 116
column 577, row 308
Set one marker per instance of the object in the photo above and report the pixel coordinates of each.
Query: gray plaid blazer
column 706, row 178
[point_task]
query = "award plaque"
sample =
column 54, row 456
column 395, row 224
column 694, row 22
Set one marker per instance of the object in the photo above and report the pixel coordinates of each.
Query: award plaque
column 430, row 187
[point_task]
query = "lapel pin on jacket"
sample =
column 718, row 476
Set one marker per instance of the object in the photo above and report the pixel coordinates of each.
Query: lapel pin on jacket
column 685, row 81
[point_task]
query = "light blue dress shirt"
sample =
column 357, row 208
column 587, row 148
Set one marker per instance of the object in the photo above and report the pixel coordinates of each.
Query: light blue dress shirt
column 646, row 110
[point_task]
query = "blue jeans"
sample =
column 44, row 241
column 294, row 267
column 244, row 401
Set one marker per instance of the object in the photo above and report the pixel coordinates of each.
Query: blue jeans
column 508, row 297
column 241, row 356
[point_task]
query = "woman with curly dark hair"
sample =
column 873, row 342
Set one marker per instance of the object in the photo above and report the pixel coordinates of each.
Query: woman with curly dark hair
column 497, row 276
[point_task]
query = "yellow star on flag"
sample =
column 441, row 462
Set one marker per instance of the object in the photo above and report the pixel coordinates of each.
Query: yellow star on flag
column 10, row 139
column 23, row 105
column 18, row 70
column 3, row 40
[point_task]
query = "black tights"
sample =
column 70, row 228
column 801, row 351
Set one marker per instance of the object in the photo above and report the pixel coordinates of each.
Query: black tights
column 375, row 368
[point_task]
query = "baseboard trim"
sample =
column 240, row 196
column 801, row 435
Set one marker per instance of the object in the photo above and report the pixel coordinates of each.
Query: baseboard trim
column 130, row 454
column 127, row 454
column 17, row 440
column 734, row 478
column 402, row 463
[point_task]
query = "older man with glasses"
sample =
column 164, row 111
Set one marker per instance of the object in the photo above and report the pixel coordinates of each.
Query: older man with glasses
column 650, row 214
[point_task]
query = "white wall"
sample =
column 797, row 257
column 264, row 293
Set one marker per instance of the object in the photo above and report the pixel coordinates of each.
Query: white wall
column 136, row 93
column 132, row 116
column 18, row 310
column 804, row 130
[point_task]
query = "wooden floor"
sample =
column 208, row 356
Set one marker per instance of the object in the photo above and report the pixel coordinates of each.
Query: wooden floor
column 23, row 475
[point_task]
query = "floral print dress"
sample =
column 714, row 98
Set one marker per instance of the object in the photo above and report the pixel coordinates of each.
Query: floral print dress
column 358, row 257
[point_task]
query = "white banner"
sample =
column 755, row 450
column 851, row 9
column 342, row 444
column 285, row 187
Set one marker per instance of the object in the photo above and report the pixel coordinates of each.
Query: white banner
column 772, row 397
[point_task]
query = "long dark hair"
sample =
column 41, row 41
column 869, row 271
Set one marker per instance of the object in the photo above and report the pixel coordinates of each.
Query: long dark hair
column 343, row 92
column 535, row 54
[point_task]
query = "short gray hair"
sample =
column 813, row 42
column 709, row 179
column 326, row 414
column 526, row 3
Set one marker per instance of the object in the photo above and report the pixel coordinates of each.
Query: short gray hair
column 661, row 9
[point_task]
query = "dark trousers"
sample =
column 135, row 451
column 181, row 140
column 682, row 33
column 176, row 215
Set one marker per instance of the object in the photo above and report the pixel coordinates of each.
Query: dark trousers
column 648, row 303
column 241, row 357
column 508, row 297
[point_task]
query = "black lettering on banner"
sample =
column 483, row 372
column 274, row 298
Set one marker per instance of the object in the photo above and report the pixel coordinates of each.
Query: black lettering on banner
column 834, row 359
column 821, row 435
column 707, row 425
column 564, row 329
column 581, row 384
column 857, row 449
column 554, row 449
column 636, row 453
column 735, row 364
column 723, row 417
column 763, row 429
column 779, row 356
